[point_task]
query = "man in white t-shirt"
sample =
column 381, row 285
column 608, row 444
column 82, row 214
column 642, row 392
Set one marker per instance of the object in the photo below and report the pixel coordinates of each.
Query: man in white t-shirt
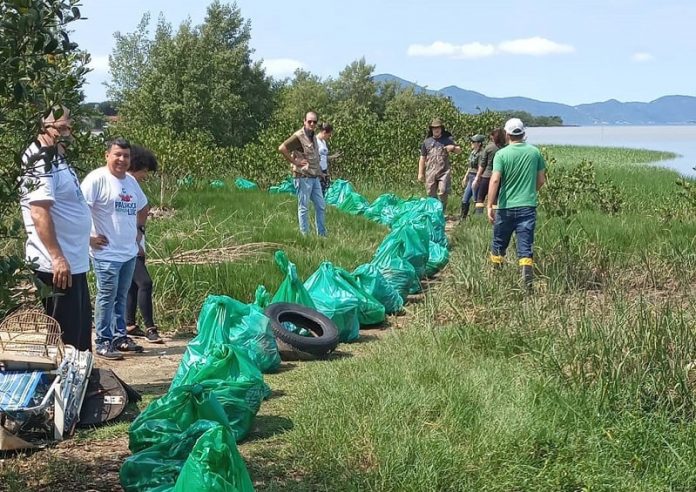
column 118, row 208
column 58, row 225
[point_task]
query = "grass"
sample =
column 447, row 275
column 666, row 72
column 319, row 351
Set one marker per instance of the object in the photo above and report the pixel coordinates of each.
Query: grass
column 586, row 385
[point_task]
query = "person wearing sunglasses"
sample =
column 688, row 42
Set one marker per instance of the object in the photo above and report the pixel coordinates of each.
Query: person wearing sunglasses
column 301, row 150
column 58, row 224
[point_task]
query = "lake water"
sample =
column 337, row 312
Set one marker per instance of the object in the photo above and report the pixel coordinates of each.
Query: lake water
column 678, row 139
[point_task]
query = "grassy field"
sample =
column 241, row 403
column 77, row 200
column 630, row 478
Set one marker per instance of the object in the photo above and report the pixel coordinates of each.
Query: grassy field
column 588, row 384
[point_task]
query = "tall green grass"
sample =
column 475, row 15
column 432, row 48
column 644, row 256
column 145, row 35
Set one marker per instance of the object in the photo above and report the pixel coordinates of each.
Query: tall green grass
column 588, row 384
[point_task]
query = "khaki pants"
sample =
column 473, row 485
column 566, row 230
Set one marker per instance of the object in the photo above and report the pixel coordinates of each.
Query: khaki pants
column 439, row 185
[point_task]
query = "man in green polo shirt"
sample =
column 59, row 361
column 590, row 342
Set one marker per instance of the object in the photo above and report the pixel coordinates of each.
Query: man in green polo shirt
column 518, row 173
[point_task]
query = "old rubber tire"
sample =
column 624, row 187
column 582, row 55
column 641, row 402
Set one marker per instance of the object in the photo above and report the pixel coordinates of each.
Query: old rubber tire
column 325, row 333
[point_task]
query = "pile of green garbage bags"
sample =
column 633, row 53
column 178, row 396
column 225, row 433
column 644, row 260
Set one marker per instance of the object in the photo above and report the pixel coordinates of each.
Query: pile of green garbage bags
column 186, row 439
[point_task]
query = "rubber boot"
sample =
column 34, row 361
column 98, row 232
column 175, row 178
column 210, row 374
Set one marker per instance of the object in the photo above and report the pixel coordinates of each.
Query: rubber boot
column 479, row 208
column 527, row 272
column 497, row 261
column 465, row 211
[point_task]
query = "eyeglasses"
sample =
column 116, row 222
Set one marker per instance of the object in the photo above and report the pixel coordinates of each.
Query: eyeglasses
column 311, row 122
column 61, row 128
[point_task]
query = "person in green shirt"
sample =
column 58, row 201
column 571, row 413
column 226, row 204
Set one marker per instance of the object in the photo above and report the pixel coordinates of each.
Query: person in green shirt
column 518, row 174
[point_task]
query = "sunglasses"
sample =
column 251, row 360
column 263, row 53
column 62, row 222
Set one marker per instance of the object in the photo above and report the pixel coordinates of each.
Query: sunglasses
column 312, row 122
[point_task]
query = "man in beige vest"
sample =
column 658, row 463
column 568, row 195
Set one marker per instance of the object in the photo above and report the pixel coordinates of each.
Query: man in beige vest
column 301, row 150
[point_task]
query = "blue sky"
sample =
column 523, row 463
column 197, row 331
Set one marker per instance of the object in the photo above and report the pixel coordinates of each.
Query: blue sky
column 569, row 51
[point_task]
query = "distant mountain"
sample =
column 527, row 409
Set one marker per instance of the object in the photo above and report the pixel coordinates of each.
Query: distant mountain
column 663, row 111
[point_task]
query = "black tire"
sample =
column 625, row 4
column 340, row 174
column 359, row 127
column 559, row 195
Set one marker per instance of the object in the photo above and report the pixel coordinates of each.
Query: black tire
column 325, row 333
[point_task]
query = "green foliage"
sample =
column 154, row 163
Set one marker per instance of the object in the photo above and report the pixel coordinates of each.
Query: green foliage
column 200, row 78
column 192, row 154
column 531, row 120
column 570, row 190
column 380, row 149
column 39, row 68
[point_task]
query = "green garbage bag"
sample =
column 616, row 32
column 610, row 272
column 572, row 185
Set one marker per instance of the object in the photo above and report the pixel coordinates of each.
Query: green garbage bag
column 285, row 186
column 353, row 203
column 226, row 320
column 413, row 209
column 262, row 298
column 214, row 465
column 245, row 184
column 157, row 467
column 170, row 415
column 409, row 244
column 398, row 272
column 226, row 362
column 292, row 289
column 185, row 182
column 335, row 300
column 338, row 191
column 370, row 310
column 439, row 257
column 217, row 184
column 384, row 209
column 372, row 281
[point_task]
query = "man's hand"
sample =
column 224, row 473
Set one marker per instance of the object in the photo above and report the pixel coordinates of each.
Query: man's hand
column 491, row 215
column 421, row 177
column 98, row 242
column 62, row 278
column 474, row 184
column 450, row 148
column 141, row 251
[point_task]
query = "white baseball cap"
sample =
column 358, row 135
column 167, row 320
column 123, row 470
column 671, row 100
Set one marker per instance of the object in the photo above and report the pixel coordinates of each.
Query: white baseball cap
column 514, row 126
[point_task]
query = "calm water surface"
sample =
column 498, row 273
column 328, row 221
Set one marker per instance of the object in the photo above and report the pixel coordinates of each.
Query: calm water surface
column 678, row 139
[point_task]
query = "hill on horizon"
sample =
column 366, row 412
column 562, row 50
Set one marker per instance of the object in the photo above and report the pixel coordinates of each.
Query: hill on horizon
column 666, row 110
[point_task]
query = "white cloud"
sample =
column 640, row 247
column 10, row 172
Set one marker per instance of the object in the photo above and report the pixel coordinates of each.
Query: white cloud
column 99, row 63
column 535, row 46
column 440, row 48
column 641, row 57
column 281, row 67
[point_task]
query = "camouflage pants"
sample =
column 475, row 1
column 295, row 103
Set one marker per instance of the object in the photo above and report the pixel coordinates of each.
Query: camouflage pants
column 438, row 184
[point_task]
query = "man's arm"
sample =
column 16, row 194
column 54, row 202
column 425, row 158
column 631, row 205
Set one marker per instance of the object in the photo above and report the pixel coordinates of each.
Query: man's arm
column 453, row 148
column 541, row 179
column 43, row 224
column 493, row 187
column 421, row 168
column 296, row 162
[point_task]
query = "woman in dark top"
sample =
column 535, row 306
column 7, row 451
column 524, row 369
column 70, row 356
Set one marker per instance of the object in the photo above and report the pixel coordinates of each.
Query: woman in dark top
column 468, row 181
column 483, row 176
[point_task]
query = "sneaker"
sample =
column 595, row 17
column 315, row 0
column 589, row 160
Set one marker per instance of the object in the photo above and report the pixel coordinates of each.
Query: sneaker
column 105, row 352
column 135, row 331
column 152, row 335
column 126, row 344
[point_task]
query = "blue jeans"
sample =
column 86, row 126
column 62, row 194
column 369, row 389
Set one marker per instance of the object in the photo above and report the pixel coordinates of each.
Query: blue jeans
column 522, row 221
column 113, row 281
column 310, row 189
column 469, row 191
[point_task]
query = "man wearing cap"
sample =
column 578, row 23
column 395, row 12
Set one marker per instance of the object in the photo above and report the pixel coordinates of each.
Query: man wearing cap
column 468, row 181
column 520, row 167
column 301, row 150
column 434, row 165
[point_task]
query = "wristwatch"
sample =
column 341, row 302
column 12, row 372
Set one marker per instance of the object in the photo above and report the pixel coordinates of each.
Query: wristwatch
column 141, row 228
